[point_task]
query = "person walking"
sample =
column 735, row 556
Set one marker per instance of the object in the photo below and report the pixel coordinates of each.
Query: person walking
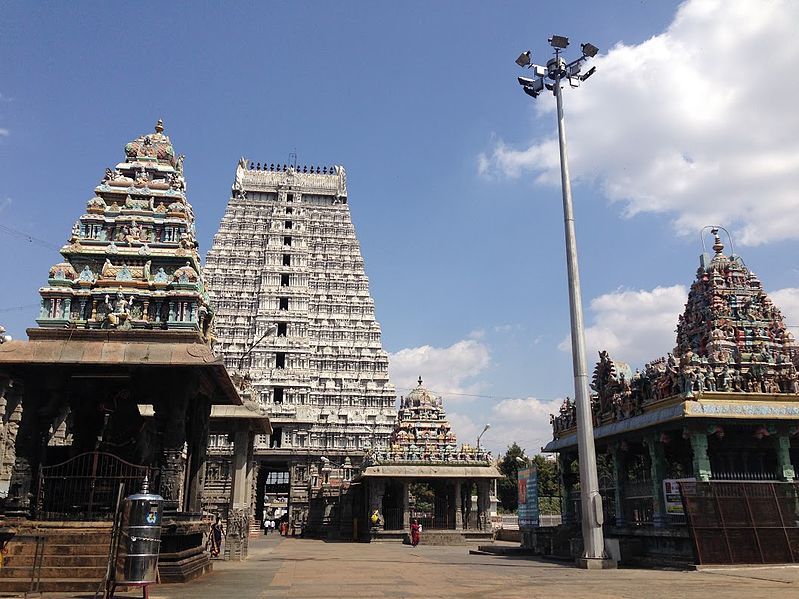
column 416, row 532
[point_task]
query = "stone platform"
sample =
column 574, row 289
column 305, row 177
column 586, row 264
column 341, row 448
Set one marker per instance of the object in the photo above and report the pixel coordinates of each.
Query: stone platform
column 433, row 537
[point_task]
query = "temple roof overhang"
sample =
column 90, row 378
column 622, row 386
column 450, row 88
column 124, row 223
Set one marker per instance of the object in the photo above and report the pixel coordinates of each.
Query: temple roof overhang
column 429, row 471
column 716, row 405
column 233, row 415
column 100, row 351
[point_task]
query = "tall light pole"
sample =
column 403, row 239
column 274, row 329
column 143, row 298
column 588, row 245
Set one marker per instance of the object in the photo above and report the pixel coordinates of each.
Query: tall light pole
column 485, row 428
column 556, row 70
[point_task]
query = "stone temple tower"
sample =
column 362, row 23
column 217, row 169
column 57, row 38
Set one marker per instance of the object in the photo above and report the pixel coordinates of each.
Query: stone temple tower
column 295, row 320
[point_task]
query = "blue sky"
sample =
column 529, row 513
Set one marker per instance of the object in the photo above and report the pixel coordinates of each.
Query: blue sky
column 450, row 166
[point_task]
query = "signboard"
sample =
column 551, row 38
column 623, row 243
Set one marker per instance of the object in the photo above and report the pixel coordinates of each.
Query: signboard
column 528, row 498
column 671, row 495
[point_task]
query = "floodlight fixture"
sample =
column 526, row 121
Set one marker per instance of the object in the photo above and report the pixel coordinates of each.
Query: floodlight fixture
column 525, row 81
column 532, row 87
column 524, row 59
column 589, row 50
column 588, row 73
column 558, row 41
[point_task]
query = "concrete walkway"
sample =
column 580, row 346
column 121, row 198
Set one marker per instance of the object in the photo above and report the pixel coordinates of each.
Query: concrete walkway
column 304, row 568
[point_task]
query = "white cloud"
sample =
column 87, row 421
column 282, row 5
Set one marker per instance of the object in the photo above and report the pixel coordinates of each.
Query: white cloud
column 451, row 370
column 633, row 326
column 522, row 421
column 688, row 123
column 4, row 132
column 787, row 300
column 445, row 370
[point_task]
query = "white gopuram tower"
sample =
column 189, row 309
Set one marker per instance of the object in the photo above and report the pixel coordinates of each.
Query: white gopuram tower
column 295, row 319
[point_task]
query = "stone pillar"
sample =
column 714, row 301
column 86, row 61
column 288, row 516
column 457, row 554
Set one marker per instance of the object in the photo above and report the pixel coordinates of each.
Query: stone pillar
column 27, row 447
column 483, row 503
column 199, row 423
column 238, row 524
column 701, row 462
column 785, row 471
column 406, row 509
column 566, row 483
column 458, row 505
column 170, row 418
column 619, row 469
column 657, row 471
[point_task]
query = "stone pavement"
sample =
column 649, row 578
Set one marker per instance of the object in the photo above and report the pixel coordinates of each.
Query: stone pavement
column 304, row 568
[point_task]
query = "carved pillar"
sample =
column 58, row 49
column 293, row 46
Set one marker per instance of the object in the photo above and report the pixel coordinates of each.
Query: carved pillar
column 701, row 462
column 619, row 469
column 785, row 471
column 483, row 503
column 254, row 477
column 170, row 416
column 239, row 513
column 458, row 503
column 22, row 487
column 657, row 471
column 198, row 430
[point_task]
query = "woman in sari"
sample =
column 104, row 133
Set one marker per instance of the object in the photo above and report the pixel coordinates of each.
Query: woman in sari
column 416, row 533
column 215, row 538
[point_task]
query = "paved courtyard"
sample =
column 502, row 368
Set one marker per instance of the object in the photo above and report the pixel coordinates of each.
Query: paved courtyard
column 308, row 568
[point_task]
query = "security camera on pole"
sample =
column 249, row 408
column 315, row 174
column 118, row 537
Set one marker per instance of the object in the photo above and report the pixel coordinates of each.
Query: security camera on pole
column 556, row 70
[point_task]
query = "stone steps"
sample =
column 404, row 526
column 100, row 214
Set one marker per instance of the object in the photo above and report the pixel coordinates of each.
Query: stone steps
column 50, row 585
column 71, row 560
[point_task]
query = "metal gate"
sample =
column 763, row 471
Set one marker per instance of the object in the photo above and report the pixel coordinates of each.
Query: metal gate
column 85, row 487
column 743, row 522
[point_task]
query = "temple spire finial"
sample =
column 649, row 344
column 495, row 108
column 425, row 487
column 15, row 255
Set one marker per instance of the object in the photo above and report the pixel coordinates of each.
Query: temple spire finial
column 717, row 245
column 159, row 126
column 420, row 380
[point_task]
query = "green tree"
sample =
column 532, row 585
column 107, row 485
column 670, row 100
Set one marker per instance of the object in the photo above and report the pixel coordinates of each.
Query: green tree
column 507, row 486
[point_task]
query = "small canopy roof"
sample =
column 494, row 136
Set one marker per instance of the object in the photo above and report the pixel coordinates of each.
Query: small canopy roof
column 93, row 350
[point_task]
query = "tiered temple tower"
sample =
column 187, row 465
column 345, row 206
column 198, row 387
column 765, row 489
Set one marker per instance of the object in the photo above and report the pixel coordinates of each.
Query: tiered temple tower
column 119, row 381
column 295, row 319
column 131, row 261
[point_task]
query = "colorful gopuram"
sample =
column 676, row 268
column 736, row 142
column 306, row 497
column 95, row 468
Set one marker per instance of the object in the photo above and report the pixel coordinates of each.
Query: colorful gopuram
column 423, row 449
column 723, row 406
column 117, row 382
column 132, row 260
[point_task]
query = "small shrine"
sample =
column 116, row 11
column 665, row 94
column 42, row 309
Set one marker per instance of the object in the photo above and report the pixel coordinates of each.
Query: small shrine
column 723, row 406
column 424, row 450
column 124, row 323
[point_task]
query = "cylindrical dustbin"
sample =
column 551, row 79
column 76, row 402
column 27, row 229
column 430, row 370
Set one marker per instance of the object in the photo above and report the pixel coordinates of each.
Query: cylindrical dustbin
column 139, row 539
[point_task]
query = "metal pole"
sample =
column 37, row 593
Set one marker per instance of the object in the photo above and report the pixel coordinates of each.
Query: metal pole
column 590, row 499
